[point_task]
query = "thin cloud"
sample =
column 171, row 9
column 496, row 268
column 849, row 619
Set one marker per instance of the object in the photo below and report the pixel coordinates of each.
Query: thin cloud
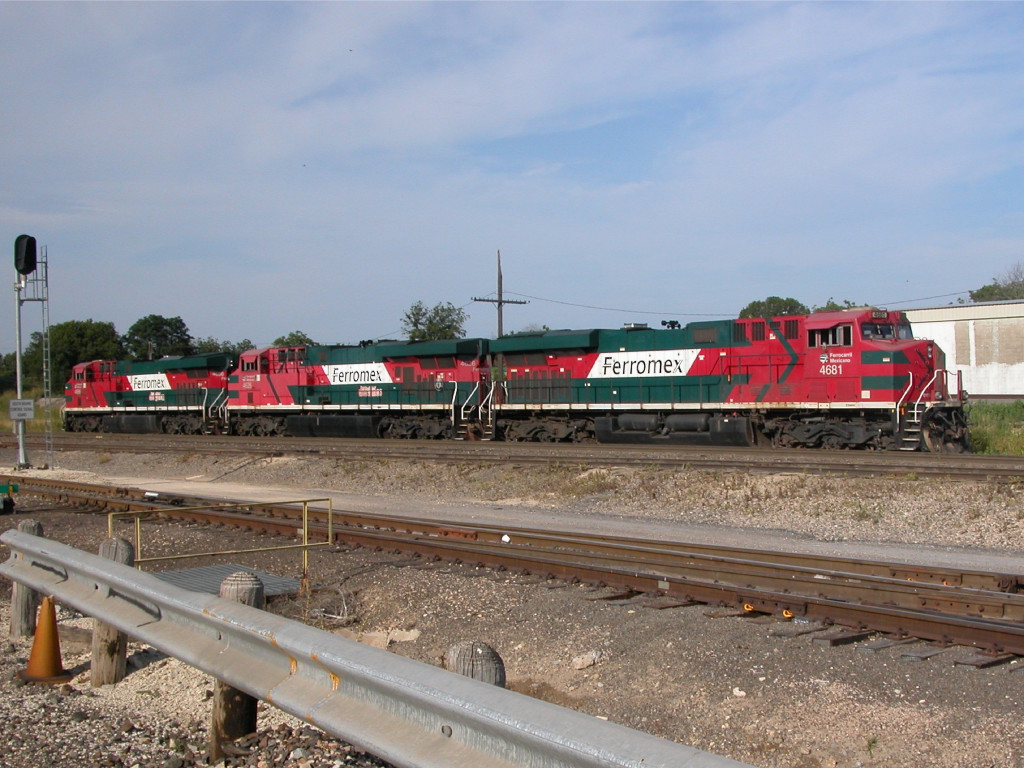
column 264, row 167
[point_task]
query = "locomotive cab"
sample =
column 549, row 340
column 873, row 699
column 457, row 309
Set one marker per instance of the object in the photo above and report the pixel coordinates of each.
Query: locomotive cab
column 85, row 395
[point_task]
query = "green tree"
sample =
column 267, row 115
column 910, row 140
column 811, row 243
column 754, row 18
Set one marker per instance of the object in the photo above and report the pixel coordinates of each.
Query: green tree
column 210, row 344
column 71, row 342
column 834, row 306
column 7, row 377
column 1007, row 287
column 293, row 339
column 774, row 306
column 442, row 321
column 155, row 336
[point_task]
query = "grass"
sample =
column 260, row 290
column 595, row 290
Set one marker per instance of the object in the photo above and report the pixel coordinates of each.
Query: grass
column 872, row 744
column 997, row 428
column 37, row 424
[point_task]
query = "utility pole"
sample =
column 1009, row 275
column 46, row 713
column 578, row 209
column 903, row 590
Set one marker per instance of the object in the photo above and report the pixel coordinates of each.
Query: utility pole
column 501, row 301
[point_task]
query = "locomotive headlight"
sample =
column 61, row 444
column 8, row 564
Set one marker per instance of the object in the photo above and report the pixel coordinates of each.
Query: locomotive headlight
column 929, row 351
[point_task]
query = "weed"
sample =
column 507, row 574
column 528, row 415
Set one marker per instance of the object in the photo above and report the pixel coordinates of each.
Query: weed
column 590, row 483
column 872, row 743
column 867, row 514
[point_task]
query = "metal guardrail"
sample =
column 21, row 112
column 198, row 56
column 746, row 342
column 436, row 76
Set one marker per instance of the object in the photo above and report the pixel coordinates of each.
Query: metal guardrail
column 403, row 711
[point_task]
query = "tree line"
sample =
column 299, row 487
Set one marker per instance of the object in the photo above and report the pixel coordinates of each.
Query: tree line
column 149, row 338
column 155, row 336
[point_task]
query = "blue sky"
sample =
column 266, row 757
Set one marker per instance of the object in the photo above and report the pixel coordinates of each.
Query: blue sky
column 262, row 168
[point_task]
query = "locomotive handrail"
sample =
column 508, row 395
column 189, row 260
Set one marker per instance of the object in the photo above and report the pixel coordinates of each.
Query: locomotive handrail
column 925, row 388
column 906, row 392
column 455, row 399
column 469, row 398
column 219, row 404
column 486, row 405
column 488, row 400
column 403, row 711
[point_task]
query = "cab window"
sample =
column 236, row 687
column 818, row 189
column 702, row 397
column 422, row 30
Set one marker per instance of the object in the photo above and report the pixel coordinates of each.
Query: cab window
column 876, row 331
column 837, row 336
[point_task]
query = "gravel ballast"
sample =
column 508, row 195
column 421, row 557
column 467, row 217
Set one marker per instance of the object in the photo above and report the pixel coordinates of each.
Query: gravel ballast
column 729, row 684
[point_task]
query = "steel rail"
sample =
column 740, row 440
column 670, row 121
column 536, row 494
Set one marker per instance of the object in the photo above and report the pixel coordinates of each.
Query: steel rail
column 638, row 550
column 850, row 463
column 401, row 710
column 939, row 604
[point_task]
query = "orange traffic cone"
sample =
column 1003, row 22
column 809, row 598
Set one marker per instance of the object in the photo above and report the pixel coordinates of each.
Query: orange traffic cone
column 44, row 662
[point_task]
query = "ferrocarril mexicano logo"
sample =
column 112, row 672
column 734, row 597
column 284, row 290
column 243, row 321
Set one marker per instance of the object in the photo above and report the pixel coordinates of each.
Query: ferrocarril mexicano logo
column 669, row 362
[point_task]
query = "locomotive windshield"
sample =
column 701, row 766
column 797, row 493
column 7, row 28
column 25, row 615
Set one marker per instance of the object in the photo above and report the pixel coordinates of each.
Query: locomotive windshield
column 877, row 331
column 886, row 331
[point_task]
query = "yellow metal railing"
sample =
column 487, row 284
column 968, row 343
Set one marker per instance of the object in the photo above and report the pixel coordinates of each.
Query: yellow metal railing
column 304, row 546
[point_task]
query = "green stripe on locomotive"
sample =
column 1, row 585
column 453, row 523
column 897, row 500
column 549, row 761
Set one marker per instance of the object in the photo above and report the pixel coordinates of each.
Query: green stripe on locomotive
column 710, row 333
column 383, row 394
column 380, row 352
column 884, row 382
column 882, row 357
column 679, row 389
column 214, row 361
column 162, row 398
column 549, row 342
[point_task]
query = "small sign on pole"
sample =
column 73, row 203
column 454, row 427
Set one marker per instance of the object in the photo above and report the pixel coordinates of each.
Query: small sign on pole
column 22, row 410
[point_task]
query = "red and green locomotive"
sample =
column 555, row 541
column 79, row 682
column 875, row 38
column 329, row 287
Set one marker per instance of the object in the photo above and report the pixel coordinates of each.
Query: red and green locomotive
column 176, row 395
column 850, row 379
column 391, row 389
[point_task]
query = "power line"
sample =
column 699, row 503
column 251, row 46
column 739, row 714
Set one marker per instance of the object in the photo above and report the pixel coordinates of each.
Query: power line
column 710, row 314
column 923, row 298
column 626, row 311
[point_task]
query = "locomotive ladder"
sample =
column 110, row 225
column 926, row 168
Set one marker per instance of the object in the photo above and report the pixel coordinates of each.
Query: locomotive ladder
column 910, row 434
column 473, row 422
column 214, row 411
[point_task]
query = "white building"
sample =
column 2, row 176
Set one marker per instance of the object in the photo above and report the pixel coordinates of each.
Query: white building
column 985, row 342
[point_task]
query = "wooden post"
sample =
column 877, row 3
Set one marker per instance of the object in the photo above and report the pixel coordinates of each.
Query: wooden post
column 476, row 659
column 25, row 601
column 234, row 712
column 110, row 647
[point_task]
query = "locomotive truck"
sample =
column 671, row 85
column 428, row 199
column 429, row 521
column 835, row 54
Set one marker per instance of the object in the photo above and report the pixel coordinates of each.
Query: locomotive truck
column 846, row 379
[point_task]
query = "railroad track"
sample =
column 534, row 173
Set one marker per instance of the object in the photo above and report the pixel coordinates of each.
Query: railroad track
column 847, row 463
column 944, row 605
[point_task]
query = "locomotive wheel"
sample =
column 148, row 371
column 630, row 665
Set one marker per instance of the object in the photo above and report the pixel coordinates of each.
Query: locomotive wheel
column 945, row 431
column 833, row 442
